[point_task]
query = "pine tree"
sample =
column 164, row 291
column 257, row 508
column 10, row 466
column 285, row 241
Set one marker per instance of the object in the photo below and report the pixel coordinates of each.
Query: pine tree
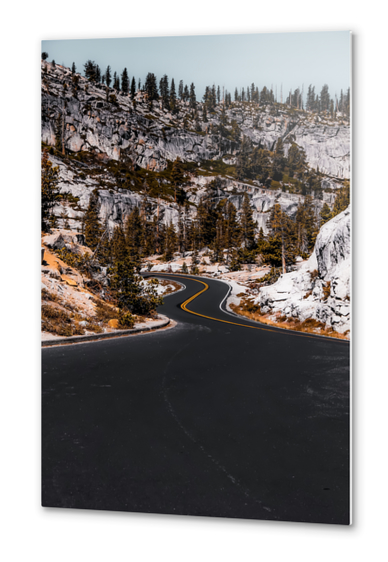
column 185, row 269
column 44, row 55
column 178, row 179
column 73, row 68
column 108, row 76
column 180, row 89
column 90, row 70
column 342, row 200
column 125, row 81
column 325, row 214
column 133, row 87
column 126, row 285
column 280, row 248
column 164, row 90
column 242, row 164
column 173, row 106
column 170, row 243
column 193, row 99
column 105, row 255
column 150, row 87
column 232, row 230
column 134, row 235
column 296, row 160
column 49, row 191
column 324, row 98
column 248, row 225
column 278, row 161
column 118, row 245
column 91, row 221
column 116, row 82
column 194, row 260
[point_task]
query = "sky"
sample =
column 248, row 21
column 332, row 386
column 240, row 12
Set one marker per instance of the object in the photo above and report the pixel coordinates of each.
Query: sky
column 267, row 59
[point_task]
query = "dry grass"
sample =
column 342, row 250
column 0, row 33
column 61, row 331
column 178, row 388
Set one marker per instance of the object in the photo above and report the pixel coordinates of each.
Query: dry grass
column 105, row 311
column 57, row 321
column 310, row 326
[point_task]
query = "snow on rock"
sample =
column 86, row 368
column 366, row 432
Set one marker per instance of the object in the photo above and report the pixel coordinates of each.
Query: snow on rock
column 174, row 267
column 236, row 289
column 320, row 289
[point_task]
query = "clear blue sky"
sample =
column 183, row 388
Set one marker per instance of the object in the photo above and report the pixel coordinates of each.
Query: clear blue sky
column 291, row 59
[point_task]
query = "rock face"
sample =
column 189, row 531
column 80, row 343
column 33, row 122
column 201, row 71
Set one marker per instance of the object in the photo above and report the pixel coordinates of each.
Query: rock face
column 320, row 289
column 141, row 134
column 150, row 135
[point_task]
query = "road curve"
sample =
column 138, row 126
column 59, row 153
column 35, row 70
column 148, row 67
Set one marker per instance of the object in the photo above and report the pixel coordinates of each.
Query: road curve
column 218, row 416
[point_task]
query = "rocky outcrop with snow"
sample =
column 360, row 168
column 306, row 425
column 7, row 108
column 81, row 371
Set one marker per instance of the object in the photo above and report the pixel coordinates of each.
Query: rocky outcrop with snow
column 320, row 289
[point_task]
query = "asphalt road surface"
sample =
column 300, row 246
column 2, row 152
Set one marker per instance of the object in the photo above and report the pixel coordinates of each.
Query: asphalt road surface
column 217, row 416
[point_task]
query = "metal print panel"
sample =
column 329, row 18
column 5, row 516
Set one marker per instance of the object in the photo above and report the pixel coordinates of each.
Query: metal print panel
column 196, row 275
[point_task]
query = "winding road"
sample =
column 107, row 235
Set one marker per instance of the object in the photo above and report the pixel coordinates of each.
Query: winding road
column 217, row 416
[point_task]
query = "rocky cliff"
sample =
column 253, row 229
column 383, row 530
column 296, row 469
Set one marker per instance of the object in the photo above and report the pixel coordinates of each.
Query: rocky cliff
column 116, row 128
column 320, row 289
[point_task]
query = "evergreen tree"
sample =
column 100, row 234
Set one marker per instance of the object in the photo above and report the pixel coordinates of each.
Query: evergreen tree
column 194, row 260
column 134, row 235
column 98, row 74
column 118, row 245
column 242, row 164
column 306, row 226
column 105, row 255
column 342, row 200
column 116, row 82
column 108, row 76
column 170, row 243
column 186, row 94
column 133, row 87
column 325, row 214
column 248, row 225
column 73, row 68
column 151, row 87
column 91, row 221
column 125, row 81
column 280, row 248
column 324, row 98
column 164, row 90
column 173, row 105
column 49, row 191
column 90, row 68
column 296, row 160
column 180, row 89
column 44, row 55
column 129, row 293
column 232, row 230
column 193, row 99
column 178, row 179
column 278, row 161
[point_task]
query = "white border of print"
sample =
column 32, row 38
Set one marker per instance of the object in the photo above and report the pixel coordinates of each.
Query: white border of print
column 49, row 534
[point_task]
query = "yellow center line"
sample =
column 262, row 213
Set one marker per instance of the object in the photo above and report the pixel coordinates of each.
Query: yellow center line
column 277, row 331
column 184, row 307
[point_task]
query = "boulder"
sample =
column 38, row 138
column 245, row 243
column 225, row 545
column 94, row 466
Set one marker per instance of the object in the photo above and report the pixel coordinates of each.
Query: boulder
column 301, row 295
